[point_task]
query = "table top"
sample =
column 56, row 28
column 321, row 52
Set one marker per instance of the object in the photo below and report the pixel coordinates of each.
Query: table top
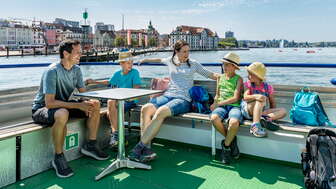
column 119, row 93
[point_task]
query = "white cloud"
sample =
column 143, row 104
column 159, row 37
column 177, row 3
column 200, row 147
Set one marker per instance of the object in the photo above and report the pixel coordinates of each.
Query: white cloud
column 226, row 3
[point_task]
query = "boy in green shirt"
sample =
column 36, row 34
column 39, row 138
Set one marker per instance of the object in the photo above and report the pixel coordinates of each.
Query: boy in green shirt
column 227, row 106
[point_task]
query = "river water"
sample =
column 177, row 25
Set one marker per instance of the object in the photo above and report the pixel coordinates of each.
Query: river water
column 25, row 77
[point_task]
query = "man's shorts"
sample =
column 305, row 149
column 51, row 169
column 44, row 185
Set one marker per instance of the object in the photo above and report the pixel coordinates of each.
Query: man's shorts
column 45, row 116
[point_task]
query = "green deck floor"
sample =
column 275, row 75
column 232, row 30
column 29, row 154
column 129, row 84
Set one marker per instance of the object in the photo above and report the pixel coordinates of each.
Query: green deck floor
column 178, row 166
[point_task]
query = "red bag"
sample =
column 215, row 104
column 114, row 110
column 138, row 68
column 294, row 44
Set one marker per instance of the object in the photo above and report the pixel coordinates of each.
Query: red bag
column 159, row 84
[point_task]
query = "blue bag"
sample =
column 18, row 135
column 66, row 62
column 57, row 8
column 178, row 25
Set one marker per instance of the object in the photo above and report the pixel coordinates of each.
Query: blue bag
column 307, row 109
column 201, row 100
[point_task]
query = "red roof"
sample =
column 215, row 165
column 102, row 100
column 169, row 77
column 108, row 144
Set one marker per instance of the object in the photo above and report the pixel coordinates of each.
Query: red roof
column 194, row 30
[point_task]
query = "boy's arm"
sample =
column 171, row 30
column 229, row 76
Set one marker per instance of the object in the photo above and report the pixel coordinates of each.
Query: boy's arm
column 217, row 90
column 237, row 94
column 248, row 98
column 91, row 81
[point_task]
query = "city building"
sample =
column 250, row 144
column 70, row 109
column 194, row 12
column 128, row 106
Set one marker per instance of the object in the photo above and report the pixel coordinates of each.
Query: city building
column 197, row 37
column 68, row 23
column 229, row 34
column 139, row 37
column 38, row 37
column 164, row 40
column 153, row 35
column 103, row 27
column 16, row 35
column 104, row 39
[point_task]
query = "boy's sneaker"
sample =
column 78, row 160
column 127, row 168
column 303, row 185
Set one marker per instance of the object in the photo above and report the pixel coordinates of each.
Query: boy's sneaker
column 234, row 148
column 226, row 154
column 269, row 124
column 94, row 152
column 114, row 141
column 136, row 154
column 257, row 130
column 148, row 153
column 61, row 166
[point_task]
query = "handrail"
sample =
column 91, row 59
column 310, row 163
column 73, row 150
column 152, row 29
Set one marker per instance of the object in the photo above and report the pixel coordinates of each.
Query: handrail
column 210, row 64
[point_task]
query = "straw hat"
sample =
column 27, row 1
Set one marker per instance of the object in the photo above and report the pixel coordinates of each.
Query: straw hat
column 231, row 58
column 125, row 56
column 258, row 69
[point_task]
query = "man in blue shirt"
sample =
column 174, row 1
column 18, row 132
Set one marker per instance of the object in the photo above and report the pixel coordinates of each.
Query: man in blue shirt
column 52, row 105
column 127, row 77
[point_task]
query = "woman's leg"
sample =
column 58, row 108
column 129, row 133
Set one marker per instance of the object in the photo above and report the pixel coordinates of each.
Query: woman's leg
column 154, row 127
column 147, row 112
column 175, row 106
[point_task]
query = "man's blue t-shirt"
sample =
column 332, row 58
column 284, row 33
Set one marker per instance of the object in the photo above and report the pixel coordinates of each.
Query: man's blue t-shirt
column 120, row 80
column 60, row 82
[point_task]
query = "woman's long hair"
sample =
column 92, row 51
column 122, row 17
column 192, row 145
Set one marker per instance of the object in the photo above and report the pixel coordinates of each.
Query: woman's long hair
column 177, row 47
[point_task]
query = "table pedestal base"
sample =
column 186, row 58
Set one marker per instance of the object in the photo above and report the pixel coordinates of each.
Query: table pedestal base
column 121, row 163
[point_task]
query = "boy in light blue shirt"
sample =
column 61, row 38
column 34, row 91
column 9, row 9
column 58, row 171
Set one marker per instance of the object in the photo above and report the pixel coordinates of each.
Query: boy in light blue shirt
column 127, row 77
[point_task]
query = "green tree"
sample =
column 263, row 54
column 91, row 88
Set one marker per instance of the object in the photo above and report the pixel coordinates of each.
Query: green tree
column 134, row 43
column 152, row 42
column 228, row 42
column 120, row 42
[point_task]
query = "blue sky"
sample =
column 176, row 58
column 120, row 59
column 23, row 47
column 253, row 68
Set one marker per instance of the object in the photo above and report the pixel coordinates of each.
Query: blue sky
column 299, row 20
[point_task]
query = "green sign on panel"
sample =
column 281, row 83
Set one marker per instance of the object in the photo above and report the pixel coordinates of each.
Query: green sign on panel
column 71, row 141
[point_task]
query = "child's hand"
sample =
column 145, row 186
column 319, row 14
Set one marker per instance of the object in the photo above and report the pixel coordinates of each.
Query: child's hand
column 88, row 81
column 260, row 98
column 216, row 98
column 213, row 106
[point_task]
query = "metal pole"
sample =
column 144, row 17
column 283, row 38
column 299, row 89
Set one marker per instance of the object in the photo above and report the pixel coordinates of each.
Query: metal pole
column 121, row 153
column 7, row 48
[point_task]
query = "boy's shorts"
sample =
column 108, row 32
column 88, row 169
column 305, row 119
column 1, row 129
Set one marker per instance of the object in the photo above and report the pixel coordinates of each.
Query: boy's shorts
column 228, row 112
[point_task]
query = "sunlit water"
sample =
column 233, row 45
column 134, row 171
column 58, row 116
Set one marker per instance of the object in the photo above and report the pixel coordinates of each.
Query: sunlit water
column 25, row 77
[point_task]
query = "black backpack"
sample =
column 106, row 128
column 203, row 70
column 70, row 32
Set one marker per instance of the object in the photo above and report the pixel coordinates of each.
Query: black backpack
column 319, row 160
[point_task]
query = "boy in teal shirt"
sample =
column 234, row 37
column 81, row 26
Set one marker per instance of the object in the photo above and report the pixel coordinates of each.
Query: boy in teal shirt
column 127, row 77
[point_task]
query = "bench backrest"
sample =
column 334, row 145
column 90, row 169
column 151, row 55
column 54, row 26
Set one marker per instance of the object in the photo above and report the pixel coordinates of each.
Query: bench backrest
column 16, row 103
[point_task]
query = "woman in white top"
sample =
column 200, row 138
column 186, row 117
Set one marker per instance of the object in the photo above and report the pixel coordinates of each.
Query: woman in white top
column 176, row 99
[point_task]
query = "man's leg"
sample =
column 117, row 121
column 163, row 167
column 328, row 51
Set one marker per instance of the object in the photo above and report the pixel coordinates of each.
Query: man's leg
column 90, row 148
column 59, row 130
column 94, row 120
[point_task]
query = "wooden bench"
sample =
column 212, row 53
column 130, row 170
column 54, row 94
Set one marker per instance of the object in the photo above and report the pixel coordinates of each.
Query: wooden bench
column 284, row 126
